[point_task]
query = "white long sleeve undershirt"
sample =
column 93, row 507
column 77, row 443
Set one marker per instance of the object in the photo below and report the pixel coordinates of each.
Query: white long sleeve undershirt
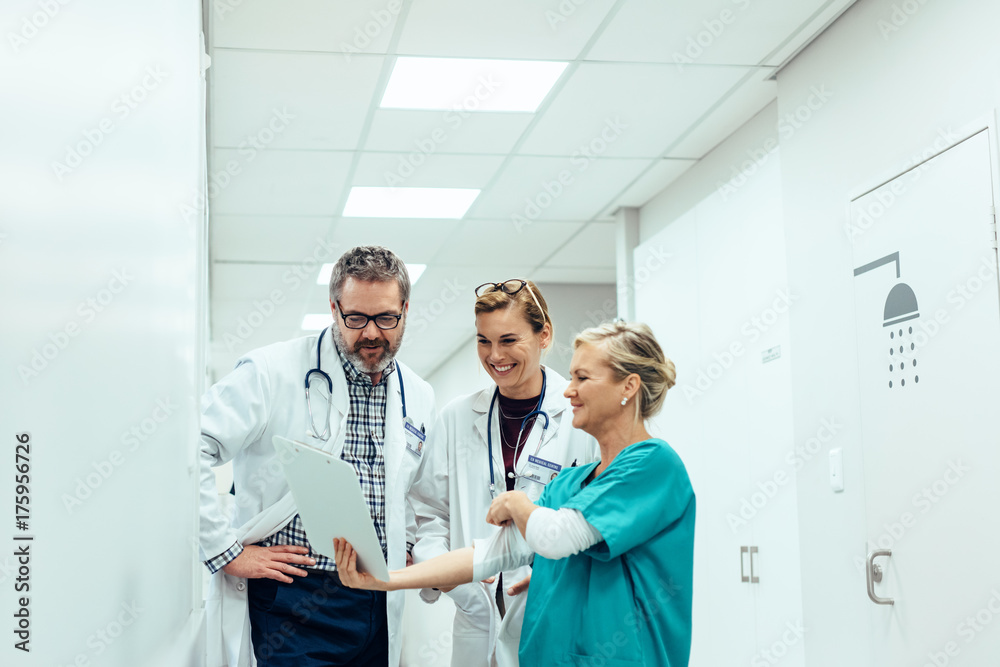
column 550, row 533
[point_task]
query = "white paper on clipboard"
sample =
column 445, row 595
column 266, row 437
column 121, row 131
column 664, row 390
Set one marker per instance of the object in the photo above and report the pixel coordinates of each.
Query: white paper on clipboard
column 329, row 500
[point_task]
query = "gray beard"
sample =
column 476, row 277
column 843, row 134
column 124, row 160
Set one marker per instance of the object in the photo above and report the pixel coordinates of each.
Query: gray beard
column 353, row 355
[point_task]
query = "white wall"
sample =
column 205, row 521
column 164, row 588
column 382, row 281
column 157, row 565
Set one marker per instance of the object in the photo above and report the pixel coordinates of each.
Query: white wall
column 103, row 327
column 574, row 308
column 717, row 176
column 461, row 374
column 711, row 282
column 898, row 84
column 887, row 86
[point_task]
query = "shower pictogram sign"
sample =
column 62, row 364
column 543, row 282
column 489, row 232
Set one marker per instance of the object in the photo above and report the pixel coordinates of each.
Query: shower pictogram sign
column 899, row 317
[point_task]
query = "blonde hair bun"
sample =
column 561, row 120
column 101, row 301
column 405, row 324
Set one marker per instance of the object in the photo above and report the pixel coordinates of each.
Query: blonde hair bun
column 631, row 348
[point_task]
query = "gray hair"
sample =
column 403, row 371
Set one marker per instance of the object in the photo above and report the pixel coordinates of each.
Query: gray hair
column 369, row 263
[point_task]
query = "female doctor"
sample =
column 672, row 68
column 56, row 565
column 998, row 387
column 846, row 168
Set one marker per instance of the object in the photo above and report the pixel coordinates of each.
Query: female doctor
column 612, row 542
column 514, row 435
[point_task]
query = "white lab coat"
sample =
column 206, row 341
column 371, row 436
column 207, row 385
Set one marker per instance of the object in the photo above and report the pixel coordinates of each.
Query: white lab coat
column 451, row 498
column 264, row 396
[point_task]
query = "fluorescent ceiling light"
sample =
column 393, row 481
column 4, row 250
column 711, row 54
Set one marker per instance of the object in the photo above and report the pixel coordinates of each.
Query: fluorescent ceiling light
column 470, row 85
column 316, row 321
column 415, row 270
column 381, row 202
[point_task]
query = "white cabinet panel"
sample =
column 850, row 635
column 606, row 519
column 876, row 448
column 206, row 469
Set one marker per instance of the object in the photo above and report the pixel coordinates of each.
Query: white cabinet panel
column 717, row 304
column 668, row 300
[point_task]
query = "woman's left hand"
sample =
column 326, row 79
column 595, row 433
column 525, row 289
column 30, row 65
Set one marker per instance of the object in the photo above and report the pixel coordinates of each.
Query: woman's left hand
column 347, row 568
column 500, row 509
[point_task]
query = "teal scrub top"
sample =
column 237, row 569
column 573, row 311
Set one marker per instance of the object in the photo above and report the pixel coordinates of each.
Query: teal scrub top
column 625, row 600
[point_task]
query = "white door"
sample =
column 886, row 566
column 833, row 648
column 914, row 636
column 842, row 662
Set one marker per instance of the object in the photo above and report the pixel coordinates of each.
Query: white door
column 673, row 299
column 774, row 455
column 928, row 329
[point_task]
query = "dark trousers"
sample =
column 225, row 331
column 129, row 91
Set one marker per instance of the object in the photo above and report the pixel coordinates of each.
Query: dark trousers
column 315, row 621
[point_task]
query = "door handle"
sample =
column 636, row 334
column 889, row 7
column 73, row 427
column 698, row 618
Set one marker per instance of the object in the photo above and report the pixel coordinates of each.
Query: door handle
column 744, row 578
column 754, row 579
column 873, row 574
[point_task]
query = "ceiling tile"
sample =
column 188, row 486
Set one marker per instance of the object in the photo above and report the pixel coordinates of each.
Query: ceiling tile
column 242, row 281
column 825, row 14
column 522, row 29
column 441, row 314
column 742, row 104
column 661, row 174
column 347, row 26
column 269, row 238
column 427, row 352
column 280, row 182
column 415, row 241
column 239, row 316
column 290, row 100
column 591, row 247
column 430, row 132
column 228, row 346
column 586, row 275
column 455, row 284
column 475, row 240
column 321, row 60
column 555, row 188
column 314, row 298
column 420, row 170
column 627, row 110
column 710, row 32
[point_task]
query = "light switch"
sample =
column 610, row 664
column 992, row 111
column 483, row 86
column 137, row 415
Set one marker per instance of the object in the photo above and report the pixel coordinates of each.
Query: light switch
column 837, row 470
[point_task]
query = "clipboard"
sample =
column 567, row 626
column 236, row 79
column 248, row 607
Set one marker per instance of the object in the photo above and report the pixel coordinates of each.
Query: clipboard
column 329, row 500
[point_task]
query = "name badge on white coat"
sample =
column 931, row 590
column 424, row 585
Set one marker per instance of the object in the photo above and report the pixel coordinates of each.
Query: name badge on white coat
column 415, row 438
column 541, row 471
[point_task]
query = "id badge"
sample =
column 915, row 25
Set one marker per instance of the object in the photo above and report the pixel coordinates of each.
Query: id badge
column 415, row 438
column 540, row 471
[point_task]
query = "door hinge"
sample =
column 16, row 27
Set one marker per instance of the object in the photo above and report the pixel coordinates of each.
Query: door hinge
column 993, row 227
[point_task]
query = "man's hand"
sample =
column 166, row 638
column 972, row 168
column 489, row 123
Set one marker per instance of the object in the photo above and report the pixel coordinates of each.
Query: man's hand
column 269, row 562
column 520, row 586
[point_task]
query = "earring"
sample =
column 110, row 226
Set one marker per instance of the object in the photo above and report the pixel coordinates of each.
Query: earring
column 624, row 400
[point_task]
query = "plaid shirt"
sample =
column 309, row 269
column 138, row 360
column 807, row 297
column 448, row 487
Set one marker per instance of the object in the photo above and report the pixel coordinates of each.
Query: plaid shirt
column 363, row 449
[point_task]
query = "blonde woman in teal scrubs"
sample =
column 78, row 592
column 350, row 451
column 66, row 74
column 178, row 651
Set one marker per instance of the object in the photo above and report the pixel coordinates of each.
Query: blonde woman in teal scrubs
column 611, row 543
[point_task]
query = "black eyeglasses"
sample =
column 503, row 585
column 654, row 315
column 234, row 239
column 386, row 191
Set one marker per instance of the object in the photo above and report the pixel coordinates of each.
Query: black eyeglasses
column 359, row 321
column 511, row 287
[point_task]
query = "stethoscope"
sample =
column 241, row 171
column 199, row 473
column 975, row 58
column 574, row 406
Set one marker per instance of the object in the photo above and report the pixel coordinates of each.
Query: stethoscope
column 325, row 435
column 537, row 412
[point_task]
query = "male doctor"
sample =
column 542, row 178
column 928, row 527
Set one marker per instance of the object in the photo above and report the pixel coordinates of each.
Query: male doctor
column 268, row 584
